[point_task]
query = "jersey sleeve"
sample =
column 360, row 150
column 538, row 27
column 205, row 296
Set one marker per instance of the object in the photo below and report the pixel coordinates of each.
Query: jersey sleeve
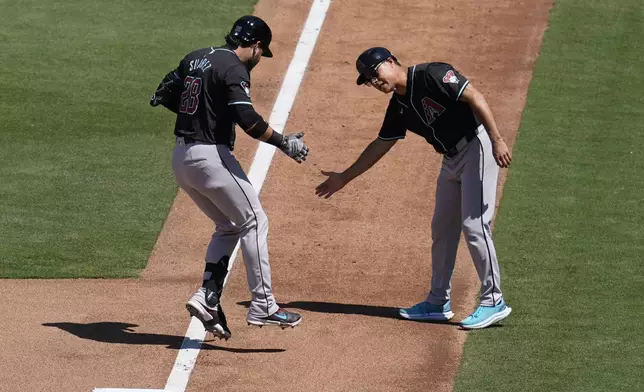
column 448, row 80
column 237, row 81
column 393, row 126
column 168, row 91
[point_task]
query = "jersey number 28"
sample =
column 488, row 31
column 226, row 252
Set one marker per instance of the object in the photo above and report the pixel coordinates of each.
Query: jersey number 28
column 190, row 95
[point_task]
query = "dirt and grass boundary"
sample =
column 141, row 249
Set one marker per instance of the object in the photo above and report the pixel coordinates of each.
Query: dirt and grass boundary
column 87, row 333
column 570, row 223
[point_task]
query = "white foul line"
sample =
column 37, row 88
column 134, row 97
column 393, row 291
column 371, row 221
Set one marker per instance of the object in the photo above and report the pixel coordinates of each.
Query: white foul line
column 187, row 356
column 127, row 390
column 291, row 84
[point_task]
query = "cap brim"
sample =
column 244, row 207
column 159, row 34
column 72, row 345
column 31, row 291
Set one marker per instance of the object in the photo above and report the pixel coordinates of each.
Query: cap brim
column 267, row 52
column 361, row 80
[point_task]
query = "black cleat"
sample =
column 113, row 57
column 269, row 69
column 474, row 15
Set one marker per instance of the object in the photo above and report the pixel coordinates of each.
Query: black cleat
column 281, row 318
column 222, row 322
column 212, row 318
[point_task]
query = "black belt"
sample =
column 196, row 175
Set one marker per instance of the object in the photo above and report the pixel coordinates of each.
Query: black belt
column 469, row 136
column 189, row 140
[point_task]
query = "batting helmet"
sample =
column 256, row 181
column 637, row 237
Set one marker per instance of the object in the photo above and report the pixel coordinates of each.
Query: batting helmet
column 248, row 30
column 368, row 62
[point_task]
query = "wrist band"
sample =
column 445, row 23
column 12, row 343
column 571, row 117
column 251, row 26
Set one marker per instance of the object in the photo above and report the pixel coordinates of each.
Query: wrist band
column 276, row 139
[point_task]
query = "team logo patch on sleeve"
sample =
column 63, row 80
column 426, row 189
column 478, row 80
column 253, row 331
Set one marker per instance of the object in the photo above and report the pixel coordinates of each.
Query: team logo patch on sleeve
column 450, row 77
column 246, row 87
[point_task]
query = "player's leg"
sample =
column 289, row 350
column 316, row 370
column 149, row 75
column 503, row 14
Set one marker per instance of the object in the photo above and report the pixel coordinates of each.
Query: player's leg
column 479, row 182
column 235, row 196
column 446, row 231
column 204, row 304
column 223, row 240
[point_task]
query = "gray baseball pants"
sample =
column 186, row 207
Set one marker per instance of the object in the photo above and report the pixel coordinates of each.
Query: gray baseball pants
column 465, row 201
column 213, row 178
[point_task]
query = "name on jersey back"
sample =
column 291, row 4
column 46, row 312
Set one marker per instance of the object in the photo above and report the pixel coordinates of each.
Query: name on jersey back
column 202, row 64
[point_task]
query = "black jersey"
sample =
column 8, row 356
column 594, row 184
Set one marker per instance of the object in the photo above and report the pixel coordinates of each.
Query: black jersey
column 214, row 79
column 431, row 107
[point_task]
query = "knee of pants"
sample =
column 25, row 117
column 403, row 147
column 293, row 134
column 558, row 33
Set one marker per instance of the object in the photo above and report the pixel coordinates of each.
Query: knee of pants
column 257, row 219
column 227, row 229
column 445, row 229
column 474, row 230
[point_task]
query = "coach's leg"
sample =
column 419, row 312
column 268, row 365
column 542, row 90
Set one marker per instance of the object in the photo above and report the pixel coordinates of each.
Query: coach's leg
column 479, row 181
column 446, row 231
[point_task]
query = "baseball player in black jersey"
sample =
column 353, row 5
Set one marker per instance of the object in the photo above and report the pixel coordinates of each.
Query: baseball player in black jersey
column 436, row 102
column 210, row 92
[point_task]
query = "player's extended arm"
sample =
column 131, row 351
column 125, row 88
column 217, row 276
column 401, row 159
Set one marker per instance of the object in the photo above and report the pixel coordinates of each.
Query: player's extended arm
column 336, row 181
column 479, row 105
column 255, row 126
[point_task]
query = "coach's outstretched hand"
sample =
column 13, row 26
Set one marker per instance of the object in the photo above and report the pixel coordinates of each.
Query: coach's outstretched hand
column 294, row 147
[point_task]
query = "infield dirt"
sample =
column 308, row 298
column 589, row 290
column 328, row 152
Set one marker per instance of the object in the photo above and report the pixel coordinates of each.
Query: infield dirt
column 346, row 263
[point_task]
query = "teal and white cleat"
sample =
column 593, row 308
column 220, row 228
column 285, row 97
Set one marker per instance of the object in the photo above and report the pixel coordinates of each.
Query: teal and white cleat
column 424, row 311
column 485, row 316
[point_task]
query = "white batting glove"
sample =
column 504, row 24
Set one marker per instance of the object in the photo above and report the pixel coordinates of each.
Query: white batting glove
column 294, row 147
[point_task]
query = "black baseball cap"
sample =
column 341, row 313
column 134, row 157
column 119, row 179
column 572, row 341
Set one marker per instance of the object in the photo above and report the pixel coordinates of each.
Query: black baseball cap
column 368, row 62
column 249, row 29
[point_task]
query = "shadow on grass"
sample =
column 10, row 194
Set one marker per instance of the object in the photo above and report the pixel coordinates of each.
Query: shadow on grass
column 123, row 333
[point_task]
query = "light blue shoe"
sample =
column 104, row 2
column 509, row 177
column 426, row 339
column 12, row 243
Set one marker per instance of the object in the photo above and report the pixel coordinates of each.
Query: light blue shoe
column 424, row 311
column 485, row 316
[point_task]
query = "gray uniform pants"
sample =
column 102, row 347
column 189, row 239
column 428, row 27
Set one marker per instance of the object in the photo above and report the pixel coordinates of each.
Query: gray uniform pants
column 213, row 178
column 465, row 200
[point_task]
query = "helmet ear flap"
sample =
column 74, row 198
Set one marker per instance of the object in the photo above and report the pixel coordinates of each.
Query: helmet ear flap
column 230, row 40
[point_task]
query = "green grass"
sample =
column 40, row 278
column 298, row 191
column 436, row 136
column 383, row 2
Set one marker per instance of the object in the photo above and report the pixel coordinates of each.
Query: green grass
column 570, row 228
column 85, row 177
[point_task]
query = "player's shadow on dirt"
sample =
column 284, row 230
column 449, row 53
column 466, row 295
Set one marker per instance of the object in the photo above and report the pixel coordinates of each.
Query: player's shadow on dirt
column 122, row 333
column 338, row 308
